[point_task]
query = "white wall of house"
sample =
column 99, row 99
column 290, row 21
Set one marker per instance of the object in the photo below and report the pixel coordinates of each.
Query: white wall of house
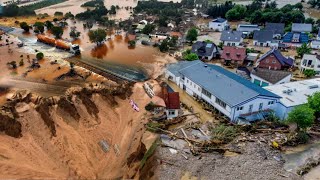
column 231, row 112
column 315, row 45
column 231, row 43
column 266, row 103
column 282, row 111
column 310, row 61
column 264, row 82
column 172, row 113
column 218, row 26
column 265, row 44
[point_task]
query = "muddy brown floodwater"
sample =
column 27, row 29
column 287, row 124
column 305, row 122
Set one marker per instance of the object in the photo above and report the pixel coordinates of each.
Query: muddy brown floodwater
column 75, row 7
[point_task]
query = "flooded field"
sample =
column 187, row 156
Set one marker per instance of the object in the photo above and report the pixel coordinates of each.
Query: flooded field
column 75, row 7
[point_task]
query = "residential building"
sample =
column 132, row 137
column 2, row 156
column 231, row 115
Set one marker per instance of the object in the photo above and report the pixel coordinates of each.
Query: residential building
column 235, row 97
column 248, row 28
column 267, row 77
column 310, row 61
column 315, row 44
column 301, row 28
column 231, row 38
column 233, row 55
column 172, row 101
column 273, row 59
column 264, row 38
column 205, row 50
column 219, row 24
column 276, row 28
column 292, row 39
column 298, row 35
column 293, row 94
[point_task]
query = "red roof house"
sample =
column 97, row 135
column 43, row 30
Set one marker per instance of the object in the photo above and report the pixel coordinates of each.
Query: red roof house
column 234, row 55
column 172, row 101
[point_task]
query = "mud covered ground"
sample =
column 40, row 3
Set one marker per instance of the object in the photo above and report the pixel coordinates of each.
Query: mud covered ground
column 257, row 162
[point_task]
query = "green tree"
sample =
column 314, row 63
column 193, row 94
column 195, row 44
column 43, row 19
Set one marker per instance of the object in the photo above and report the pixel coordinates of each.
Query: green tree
column 314, row 103
column 303, row 116
column 21, row 63
column 304, row 49
column 57, row 31
column 39, row 26
column 309, row 73
column 113, row 10
column 39, row 55
column 192, row 35
column 164, row 46
column 191, row 57
column 11, row 10
column 238, row 12
column 12, row 64
column 148, row 29
column 48, row 24
column 74, row 33
column 97, row 36
column 25, row 26
column 132, row 43
column 58, row 13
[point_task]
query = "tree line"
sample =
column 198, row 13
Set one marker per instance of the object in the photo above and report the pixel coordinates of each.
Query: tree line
column 14, row 10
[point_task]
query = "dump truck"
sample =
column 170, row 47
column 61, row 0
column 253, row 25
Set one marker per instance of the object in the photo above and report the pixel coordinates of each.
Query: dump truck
column 60, row 44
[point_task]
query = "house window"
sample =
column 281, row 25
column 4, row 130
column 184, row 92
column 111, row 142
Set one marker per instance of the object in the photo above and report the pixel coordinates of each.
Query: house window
column 240, row 108
column 221, row 103
column 267, row 60
column 187, row 81
column 260, row 106
column 206, row 93
column 171, row 112
column 274, row 61
column 199, row 88
column 270, row 102
column 194, row 86
column 250, row 108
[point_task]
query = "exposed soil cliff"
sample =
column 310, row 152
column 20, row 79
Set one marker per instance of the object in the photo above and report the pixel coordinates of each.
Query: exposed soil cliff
column 58, row 137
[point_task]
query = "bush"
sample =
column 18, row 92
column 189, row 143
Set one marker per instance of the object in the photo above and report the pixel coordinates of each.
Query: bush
column 39, row 55
column 309, row 73
column 224, row 133
column 58, row 13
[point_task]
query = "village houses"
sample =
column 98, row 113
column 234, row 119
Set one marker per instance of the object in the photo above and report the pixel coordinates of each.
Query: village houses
column 293, row 94
column 205, row 50
column 235, row 97
column 231, row 38
column 219, row 24
column 273, row 59
column 310, row 61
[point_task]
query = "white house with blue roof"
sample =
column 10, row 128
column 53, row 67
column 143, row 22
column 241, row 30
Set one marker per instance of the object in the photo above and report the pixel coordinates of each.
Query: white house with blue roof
column 230, row 94
column 219, row 24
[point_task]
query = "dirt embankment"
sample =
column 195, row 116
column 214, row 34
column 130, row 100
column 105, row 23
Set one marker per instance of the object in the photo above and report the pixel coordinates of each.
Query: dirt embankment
column 58, row 137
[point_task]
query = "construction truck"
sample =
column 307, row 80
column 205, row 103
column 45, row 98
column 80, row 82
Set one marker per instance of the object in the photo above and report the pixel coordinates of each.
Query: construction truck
column 60, row 44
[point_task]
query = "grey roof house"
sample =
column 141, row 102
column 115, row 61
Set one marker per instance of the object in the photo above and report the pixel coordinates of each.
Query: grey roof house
column 205, row 50
column 231, row 38
column 233, row 96
column 248, row 28
column 263, row 38
column 276, row 28
column 301, row 27
column 266, row 77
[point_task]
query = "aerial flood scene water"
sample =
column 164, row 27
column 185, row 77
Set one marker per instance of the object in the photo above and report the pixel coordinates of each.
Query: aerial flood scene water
column 160, row 89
